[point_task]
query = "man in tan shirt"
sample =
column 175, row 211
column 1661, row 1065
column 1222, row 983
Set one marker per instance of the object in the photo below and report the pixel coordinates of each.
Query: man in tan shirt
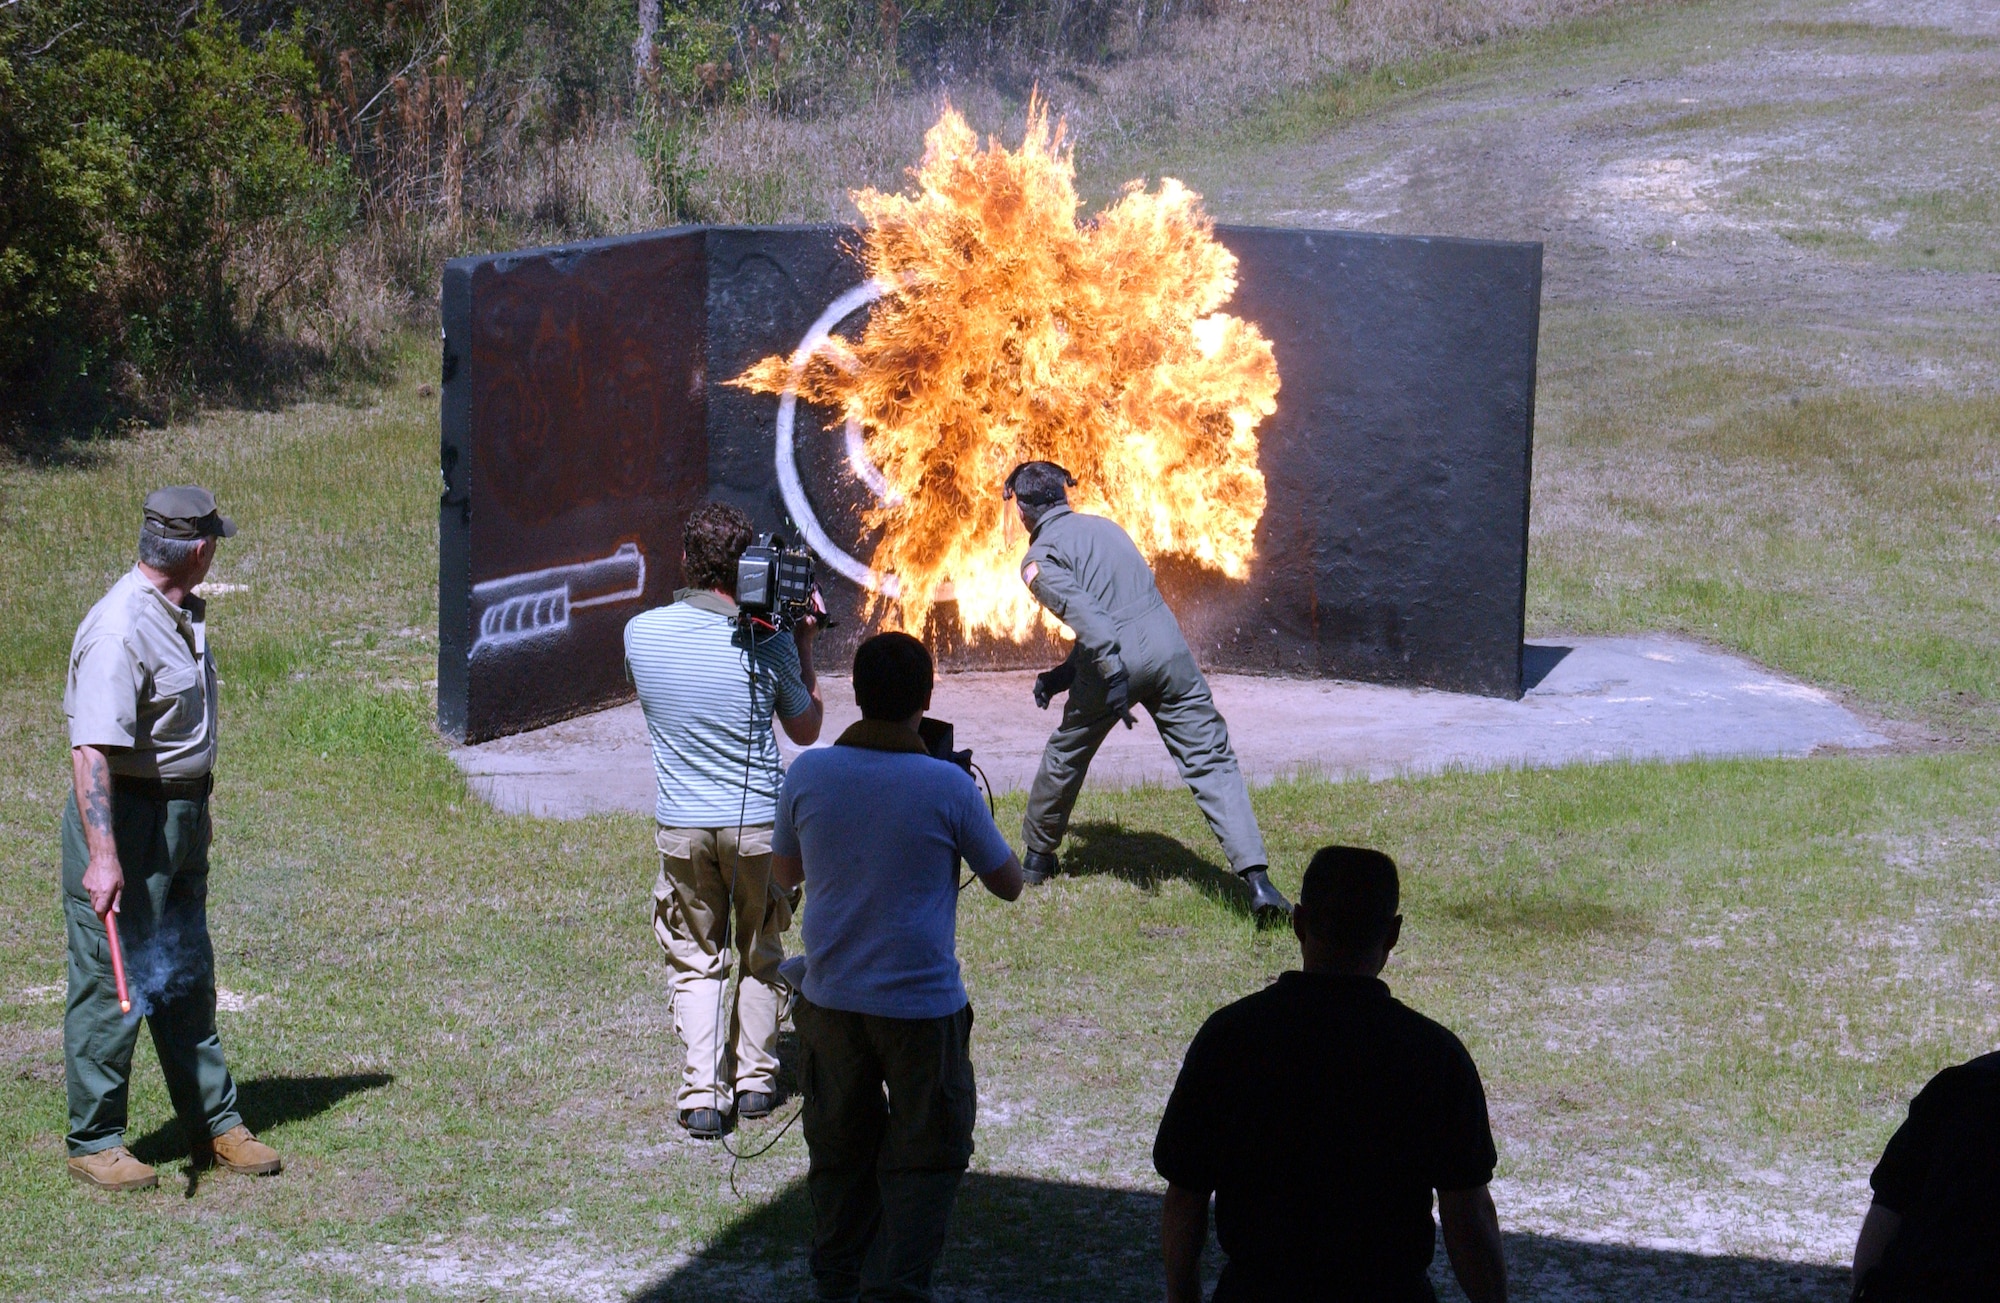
column 140, row 701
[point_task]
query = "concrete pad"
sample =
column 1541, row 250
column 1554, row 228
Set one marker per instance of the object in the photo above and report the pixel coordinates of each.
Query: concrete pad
column 1593, row 699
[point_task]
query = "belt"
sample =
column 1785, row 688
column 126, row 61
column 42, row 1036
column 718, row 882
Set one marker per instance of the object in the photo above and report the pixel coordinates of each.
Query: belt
column 164, row 789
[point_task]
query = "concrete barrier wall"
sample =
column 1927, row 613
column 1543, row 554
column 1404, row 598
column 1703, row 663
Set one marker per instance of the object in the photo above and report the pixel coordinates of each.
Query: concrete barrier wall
column 582, row 420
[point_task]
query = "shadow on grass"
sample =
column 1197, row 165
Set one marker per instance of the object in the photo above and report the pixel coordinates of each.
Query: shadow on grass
column 81, row 423
column 1544, row 914
column 266, row 1104
column 1017, row 1238
column 1011, row 1238
column 1545, row 1267
column 1147, row 859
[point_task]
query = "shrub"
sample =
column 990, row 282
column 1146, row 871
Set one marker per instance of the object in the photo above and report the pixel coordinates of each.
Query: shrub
column 816, row 55
column 141, row 152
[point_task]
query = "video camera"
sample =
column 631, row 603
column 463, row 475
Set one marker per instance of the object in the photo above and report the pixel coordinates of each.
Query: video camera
column 937, row 736
column 776, row 587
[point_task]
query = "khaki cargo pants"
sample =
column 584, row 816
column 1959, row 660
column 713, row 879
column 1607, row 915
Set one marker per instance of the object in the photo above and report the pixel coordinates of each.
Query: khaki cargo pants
column 701, row 870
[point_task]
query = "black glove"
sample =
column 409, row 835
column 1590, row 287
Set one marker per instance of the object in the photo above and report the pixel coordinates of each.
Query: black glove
column 1050, row 684
column 1118, row 696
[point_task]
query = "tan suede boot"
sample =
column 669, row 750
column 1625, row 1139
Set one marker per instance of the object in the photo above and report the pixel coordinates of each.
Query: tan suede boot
column 113, row 1169
column 238, row 1151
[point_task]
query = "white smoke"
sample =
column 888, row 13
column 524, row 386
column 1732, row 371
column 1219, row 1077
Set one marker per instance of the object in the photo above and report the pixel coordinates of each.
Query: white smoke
column 169, row 965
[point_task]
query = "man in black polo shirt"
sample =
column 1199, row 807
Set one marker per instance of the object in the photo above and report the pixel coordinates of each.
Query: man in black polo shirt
column 1933, row 1232
column 1330, row 1199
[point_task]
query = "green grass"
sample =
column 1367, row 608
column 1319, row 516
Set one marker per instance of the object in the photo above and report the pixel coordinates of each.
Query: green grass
column 1345, row 96
column 1341, row 97
column 1696, row 476
column 1886, row 164
column 1701, row 995
column 1895, row 38
column 456, row 1030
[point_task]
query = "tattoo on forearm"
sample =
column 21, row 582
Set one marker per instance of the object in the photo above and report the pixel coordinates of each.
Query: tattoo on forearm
column 96, row 802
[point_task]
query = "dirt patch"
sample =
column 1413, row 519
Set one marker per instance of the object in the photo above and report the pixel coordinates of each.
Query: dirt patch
column 1816, row 162
column 30, row 1053
column 1796, row 1212
column 573, row 1271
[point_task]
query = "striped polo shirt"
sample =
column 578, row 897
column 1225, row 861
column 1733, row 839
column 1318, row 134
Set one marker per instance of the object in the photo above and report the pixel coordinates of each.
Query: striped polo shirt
column 708, row 703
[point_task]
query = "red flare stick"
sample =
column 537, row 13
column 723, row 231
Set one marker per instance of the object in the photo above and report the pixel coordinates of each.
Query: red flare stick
column 117, row 961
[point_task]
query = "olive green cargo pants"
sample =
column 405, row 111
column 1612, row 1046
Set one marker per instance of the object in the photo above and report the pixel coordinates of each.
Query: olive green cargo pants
column 169, row 968
column 1195, row 736
column 889, row 1110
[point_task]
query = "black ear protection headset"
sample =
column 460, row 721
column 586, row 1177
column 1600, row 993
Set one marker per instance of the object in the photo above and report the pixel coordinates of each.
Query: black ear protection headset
column 1007, row 489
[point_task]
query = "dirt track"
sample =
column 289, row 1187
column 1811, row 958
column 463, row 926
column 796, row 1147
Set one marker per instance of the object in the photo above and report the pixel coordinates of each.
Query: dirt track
column 1835, row 165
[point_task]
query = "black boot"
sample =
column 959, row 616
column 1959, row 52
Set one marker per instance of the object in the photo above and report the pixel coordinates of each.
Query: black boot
column 1267, row 903
column 1037, row 867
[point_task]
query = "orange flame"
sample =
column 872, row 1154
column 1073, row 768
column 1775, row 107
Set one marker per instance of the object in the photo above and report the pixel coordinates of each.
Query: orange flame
column 1008, row 331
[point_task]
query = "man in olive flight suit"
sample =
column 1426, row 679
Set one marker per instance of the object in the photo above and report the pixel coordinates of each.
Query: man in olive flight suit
column 1129, row 650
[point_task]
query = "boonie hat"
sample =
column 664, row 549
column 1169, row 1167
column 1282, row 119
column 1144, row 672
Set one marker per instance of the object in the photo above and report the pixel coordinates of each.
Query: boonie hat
column 186, row 511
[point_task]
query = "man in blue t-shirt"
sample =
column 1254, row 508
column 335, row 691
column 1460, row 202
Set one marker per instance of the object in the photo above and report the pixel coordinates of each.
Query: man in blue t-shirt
column 875, row 828
column 709, row 693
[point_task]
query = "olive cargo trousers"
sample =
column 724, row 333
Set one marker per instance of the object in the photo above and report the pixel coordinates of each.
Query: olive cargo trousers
column 889, row 1109
column 1195, row 736
column 169, row 968
column 715, row 900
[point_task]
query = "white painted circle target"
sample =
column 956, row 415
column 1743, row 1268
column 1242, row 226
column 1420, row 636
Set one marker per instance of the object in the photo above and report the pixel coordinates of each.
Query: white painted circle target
column 789, row 486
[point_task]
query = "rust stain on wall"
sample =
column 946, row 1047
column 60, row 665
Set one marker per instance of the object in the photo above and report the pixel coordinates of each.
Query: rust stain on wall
column 575, row 444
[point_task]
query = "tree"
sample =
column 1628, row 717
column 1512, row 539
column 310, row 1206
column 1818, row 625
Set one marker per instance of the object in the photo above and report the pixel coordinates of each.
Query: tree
column 140, row 148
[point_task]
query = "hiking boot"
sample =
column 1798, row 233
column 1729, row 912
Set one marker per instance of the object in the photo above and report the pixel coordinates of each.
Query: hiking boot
column 236, row 1150
column 754, row 1104
column 113, row 1169
column 702, row 1123
column 1267, row 903
column 1037, row 867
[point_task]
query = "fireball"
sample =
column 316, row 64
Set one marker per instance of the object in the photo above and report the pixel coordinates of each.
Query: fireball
column 1009, row 331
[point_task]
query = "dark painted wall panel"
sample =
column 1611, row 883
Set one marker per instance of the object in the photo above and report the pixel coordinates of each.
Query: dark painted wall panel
column 766, row 286
column 1394, row 543
column 1393, row 547
column 455, row 503
column 579, row 373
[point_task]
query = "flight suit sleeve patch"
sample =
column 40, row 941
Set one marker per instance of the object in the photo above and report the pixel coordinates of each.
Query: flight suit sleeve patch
column 1030, row 572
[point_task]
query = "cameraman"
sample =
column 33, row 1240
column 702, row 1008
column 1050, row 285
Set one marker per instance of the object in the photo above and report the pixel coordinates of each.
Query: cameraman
column 709, row 696
column 877, row 828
